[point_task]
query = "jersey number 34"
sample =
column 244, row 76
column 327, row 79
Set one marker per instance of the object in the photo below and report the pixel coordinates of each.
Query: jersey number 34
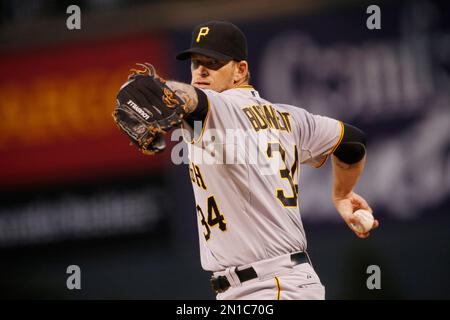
column 214, row 217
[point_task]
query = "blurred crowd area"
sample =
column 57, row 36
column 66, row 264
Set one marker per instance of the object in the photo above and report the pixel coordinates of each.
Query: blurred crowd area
column 15, row 11
column 72, row 190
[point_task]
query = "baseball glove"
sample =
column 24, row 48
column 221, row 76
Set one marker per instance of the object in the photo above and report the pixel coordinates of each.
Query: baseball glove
column 147, row 109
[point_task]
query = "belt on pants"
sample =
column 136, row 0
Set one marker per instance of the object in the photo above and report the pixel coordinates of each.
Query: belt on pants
column 221, row 284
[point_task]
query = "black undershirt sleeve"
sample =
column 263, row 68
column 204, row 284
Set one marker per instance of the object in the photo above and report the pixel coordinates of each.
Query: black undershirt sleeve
column 353, row 145
column 200, row 111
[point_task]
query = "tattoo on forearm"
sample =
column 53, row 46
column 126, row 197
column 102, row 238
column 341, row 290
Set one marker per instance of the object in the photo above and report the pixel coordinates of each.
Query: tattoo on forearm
column 185, row 92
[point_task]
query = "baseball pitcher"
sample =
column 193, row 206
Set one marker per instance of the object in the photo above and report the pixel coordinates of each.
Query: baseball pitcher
column 244, row 162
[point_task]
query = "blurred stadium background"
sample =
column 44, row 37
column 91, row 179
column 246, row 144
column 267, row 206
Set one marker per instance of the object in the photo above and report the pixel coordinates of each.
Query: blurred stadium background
column 74, row 192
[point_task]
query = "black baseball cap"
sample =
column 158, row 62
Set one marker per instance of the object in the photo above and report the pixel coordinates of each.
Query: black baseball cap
column 220, row 40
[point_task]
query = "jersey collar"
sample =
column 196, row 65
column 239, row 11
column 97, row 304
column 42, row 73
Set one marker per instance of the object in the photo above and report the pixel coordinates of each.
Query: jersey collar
column 245, row 86
column 246, row 89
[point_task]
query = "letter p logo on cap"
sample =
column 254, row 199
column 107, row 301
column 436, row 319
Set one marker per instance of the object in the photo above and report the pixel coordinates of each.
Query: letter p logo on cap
column 202, row 32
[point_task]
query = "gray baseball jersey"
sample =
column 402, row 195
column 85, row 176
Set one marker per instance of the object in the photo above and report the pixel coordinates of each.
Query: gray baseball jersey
column 244, row 168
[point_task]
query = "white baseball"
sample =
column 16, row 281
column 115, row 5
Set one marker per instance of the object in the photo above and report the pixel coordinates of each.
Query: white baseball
column 366, row 221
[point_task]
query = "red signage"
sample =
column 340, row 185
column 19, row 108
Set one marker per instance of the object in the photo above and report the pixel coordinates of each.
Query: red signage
column 56, row 105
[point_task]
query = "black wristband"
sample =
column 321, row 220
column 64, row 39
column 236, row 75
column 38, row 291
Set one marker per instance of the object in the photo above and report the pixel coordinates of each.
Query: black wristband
column 200, row 112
